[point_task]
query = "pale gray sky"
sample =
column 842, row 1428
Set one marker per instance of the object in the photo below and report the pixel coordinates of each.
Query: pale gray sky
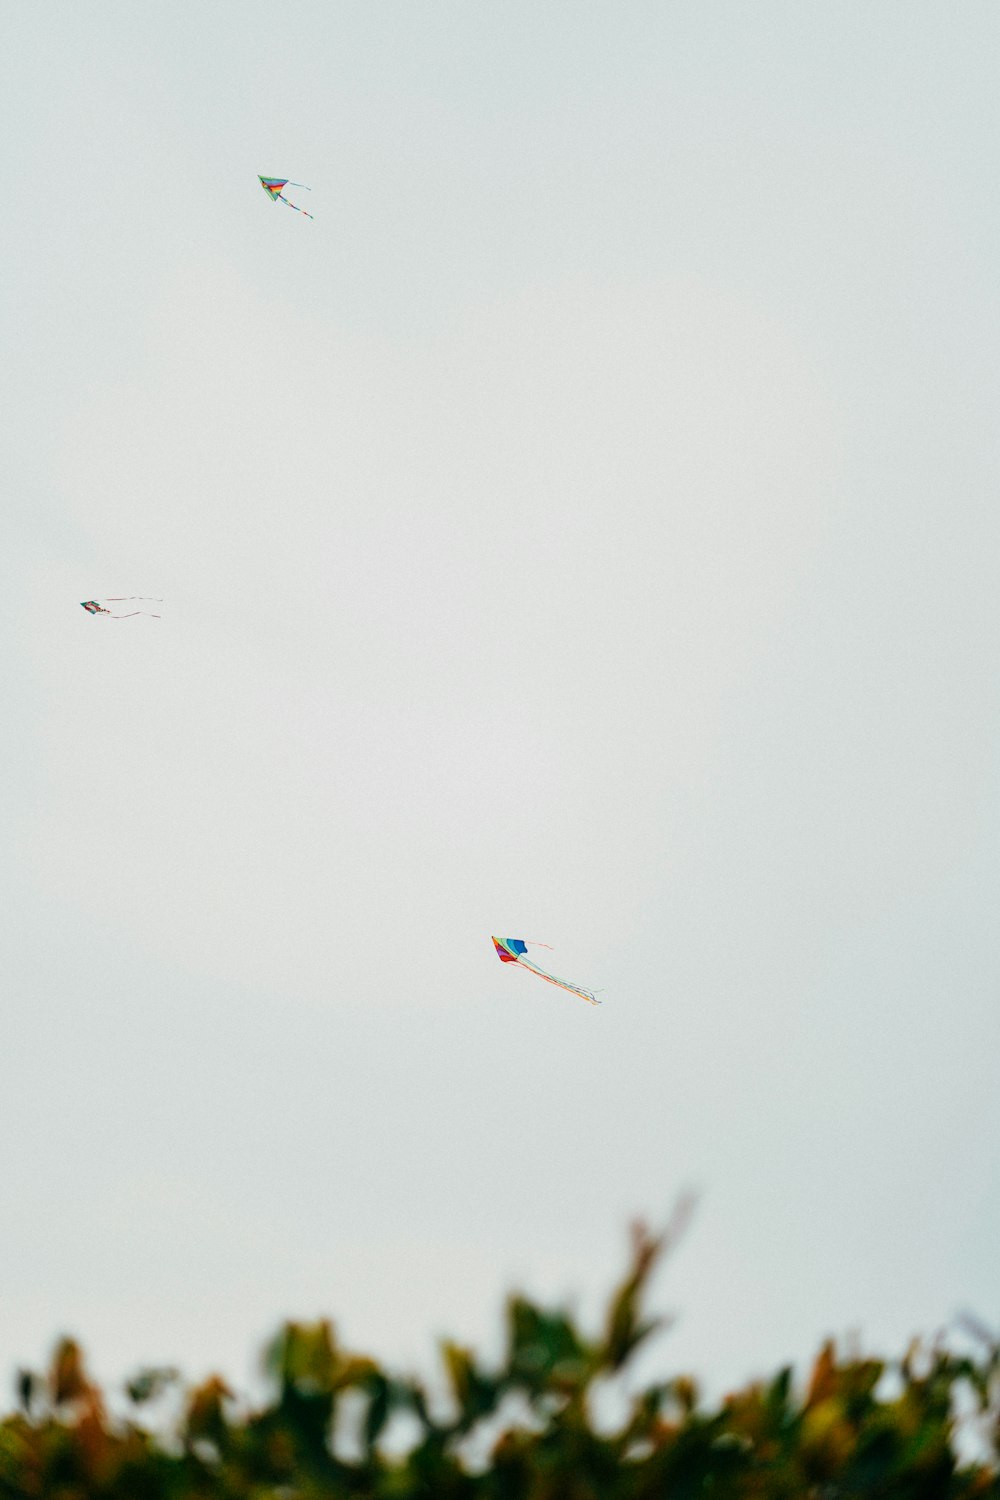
column 586, row 529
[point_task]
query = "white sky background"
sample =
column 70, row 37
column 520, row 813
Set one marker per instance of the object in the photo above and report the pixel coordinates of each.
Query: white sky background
column 586, row 529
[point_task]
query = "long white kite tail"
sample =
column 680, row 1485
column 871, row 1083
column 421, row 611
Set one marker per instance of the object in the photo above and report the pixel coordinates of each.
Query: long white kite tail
column 562, row 984
column 132, row 599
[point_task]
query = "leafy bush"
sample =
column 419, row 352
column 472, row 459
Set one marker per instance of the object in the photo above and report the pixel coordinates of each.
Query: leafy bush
column 528, row 1430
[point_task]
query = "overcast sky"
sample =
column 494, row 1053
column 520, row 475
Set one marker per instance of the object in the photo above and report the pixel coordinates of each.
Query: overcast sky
column 586, row 529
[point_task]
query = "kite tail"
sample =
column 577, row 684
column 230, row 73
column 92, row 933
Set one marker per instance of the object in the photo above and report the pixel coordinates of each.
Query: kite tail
column 133, row 599
column 562, row 984
column 297, row 209
column 132, row 614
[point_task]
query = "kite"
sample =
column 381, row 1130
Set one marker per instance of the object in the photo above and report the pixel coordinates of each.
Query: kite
column 93, row 608
column 515, row 950
column 273, row 186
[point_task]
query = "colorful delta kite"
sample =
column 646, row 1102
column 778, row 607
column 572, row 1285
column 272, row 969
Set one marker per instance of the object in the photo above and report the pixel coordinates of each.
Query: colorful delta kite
column 93, row 608
column 273, row 186
column 515, row 951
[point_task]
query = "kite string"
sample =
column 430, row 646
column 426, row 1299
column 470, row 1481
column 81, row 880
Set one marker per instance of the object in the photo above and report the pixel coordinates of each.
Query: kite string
column 289, row 204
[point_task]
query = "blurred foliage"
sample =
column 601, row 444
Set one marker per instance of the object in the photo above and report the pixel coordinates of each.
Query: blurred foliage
column 535, row 1428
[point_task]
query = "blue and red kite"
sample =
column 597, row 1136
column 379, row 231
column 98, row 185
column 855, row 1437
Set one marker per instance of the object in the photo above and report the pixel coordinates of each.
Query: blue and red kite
column 515, row 951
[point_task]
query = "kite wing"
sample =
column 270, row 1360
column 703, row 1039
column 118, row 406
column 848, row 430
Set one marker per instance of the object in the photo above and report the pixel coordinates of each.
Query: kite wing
column 515, row 951
column 509, row 950
column 273, row 186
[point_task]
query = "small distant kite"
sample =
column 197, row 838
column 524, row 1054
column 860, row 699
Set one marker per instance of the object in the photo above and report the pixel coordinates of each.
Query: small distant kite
column 515, row 950
column 93, row 608
column 273, row 186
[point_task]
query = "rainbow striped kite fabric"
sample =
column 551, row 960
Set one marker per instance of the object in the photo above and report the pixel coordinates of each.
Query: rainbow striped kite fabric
column 515, row 951
column 273, row 186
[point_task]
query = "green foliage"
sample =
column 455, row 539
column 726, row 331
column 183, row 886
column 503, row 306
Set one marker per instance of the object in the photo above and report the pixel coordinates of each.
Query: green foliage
column 528, row 1430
